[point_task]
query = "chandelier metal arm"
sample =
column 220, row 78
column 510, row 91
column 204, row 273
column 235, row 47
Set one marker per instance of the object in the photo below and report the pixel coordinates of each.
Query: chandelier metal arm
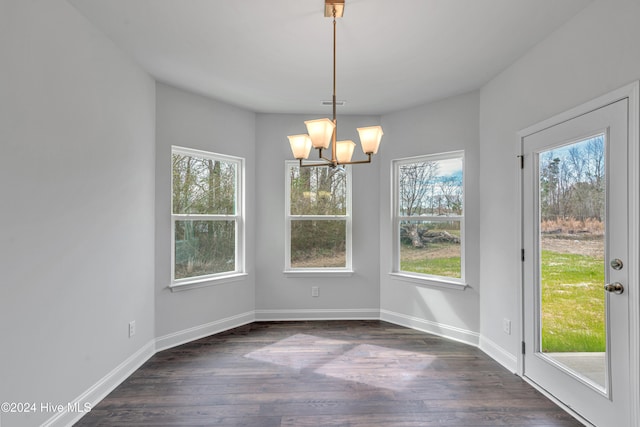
column 325, row 131
column 321, row 157
column 356, row 162
column 326, row 163
column 335, row 119
column 333, row 164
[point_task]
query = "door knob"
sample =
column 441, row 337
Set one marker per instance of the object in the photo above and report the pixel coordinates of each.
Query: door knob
column 616, row 288
column 616, row 264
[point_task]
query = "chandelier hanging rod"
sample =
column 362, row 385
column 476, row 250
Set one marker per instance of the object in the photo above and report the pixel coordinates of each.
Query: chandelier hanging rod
column 323, row 132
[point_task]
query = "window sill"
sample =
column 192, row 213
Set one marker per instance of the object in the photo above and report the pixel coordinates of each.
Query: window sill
column 206, row 282
column 318, row 273
column 429, row 281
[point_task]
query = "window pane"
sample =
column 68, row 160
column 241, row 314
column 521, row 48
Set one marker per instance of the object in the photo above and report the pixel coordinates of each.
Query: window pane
column 572, row 187
column 318, row 244
column 431, row 247
column 430, row 188
column 203, row 186
column 204, row 247
column 318, row 191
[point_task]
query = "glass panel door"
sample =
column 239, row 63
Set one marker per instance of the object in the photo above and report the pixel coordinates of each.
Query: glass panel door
column 572, row 199
column 575, row 292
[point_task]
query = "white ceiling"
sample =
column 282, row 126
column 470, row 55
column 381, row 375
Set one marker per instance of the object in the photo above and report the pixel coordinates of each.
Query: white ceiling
column 276, row 55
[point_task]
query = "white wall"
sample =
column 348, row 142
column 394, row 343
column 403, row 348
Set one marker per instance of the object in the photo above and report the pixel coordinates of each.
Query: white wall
column 79, row 166
column 77, row 186
column 192, row 121
column 447, row 125
column 285, row 297
column 592, row 54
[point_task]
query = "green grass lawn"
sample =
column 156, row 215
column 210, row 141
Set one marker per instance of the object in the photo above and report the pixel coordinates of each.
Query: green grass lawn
column 435, row 260
column 572, row 297
column 447, row 267
column 572, row 303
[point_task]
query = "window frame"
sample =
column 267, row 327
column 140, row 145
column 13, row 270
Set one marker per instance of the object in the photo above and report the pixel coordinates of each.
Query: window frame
column 347, row 270
column 238, row 217
column 422, row 278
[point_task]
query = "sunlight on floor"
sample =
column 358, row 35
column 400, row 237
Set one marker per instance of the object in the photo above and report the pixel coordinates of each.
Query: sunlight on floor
column 286, row 352
column 377, row 366
column 365, row 363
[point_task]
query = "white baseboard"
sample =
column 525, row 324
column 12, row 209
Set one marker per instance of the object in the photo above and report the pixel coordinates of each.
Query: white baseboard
column 102, row 388
column 318, row 314
column 92, row 396
column 457, row 334
column 191, row 334
column 499, row 354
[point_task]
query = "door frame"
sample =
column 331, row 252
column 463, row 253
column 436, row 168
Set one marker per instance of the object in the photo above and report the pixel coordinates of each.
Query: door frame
column 632, row 93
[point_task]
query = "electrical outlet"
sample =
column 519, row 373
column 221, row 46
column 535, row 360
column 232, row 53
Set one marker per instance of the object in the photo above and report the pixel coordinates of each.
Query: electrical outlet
column 132, row 328
column 315, row 291
column 506, row 326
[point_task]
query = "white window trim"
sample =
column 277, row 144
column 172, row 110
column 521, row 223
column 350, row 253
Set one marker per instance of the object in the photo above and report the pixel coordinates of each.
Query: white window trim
column 289, row 271
column 199, row 282
column 217, row 278
column 418, row 278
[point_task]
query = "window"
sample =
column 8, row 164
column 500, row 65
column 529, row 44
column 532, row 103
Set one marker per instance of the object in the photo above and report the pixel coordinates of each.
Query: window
column 206, row 215
column 318, row 218
column 428, row 217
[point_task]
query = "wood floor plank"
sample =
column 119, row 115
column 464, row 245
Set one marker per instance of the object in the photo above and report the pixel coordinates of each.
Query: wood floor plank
column 324, row 373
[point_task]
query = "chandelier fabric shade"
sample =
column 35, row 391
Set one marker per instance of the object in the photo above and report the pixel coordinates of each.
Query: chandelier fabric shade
column 322, row 133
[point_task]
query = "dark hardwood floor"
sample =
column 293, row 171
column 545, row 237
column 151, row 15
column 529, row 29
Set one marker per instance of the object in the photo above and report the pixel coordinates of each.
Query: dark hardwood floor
column 324, row 373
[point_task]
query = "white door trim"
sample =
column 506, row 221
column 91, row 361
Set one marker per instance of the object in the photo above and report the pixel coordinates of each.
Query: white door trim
column 632, row 92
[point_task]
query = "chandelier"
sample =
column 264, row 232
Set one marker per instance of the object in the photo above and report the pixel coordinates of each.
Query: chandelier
column 322, row 133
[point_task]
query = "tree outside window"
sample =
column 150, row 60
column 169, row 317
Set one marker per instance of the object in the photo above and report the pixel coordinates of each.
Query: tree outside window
column 318, row 218
column 428, row 216
column 206, row 214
